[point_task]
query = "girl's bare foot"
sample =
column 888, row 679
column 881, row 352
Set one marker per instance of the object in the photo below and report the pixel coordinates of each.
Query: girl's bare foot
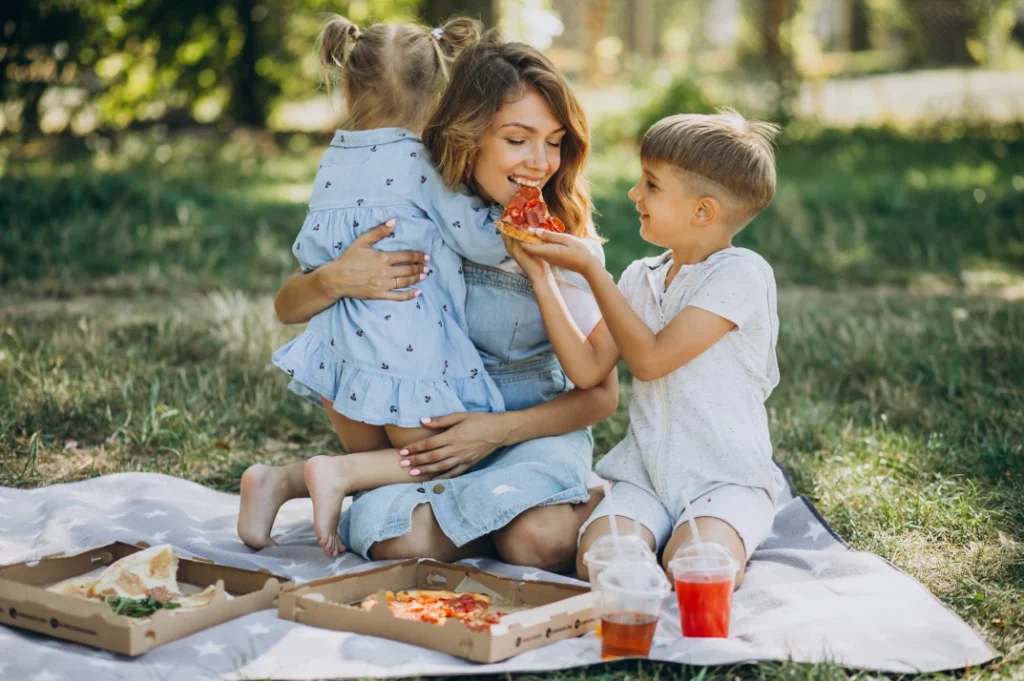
column 264, row 489
column 326, row 478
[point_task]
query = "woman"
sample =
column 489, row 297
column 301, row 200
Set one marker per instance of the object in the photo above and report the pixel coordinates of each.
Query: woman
column 518, row 478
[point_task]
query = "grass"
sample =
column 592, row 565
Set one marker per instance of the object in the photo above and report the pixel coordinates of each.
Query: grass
column 136, row 329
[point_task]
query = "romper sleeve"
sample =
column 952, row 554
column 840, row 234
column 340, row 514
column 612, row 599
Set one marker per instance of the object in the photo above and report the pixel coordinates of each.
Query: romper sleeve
column 465, row 221
column 311, row 247
column 733, row 291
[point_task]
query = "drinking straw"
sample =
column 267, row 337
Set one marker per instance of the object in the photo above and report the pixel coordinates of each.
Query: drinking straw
column 611, row 511
column 693, row 528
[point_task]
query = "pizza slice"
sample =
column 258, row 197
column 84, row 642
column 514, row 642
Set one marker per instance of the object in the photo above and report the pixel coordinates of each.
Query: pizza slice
column 438, row 606
column 527, row 209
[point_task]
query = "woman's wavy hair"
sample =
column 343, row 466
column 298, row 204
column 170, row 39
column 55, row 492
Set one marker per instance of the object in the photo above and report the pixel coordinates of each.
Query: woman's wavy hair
column 485, row 77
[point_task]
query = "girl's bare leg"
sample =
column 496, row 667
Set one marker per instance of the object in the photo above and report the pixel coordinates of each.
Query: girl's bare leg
column 264, row 490
column 374, row 463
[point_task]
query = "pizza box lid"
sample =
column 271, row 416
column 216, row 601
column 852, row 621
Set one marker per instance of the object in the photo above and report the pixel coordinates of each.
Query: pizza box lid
column 25, row 602
column 539, row 612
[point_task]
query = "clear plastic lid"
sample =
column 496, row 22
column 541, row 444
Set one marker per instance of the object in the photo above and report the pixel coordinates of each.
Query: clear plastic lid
column 634, row 579
column 703, row 560
column 607, row 550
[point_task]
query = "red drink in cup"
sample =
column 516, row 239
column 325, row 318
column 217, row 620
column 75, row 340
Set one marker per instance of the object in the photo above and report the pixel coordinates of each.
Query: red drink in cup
column 704, row 586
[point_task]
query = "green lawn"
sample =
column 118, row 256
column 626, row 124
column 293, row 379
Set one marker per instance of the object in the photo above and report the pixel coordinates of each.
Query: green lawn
column 136, row 321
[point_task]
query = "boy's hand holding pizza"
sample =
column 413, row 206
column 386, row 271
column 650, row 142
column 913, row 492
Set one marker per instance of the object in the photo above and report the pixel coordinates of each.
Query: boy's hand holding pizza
column 563, row 250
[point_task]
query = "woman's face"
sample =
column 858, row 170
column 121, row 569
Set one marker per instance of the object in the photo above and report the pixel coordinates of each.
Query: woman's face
column 523, row 146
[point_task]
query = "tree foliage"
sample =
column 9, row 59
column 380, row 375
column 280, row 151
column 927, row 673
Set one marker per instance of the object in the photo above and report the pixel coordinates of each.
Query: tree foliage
column 132, row 61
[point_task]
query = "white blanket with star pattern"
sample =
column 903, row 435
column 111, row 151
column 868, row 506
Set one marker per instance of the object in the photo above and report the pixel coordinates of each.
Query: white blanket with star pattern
column 807, row 597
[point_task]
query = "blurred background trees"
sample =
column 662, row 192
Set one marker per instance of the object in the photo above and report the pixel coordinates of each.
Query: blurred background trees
column 82, row 65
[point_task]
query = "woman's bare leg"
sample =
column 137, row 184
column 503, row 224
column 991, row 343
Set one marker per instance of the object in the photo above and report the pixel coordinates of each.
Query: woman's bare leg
column 426, row 539
column 545, row 536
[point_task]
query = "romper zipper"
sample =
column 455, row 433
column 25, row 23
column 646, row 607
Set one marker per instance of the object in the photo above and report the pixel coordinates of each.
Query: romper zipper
column 663, row 390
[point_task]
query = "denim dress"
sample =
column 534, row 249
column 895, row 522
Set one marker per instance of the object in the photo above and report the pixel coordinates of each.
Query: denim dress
column 393, row 362
column 506, row 326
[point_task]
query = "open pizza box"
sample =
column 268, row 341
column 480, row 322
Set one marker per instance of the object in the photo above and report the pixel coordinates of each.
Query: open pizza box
column 26, row 603
column 538, row 613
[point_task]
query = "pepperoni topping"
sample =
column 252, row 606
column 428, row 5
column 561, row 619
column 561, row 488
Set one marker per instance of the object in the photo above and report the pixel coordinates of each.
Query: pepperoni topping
column 516, row 214
column 529, row 192
column 557, row 226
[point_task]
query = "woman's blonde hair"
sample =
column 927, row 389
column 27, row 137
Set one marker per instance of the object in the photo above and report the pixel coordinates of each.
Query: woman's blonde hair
column 487, row 76
column 392, row 74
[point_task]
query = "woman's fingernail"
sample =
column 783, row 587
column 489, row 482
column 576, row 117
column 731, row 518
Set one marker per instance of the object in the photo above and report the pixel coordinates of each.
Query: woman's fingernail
column 404, row 452
column 425, row 419
column 422, row 277
column 426, row 258
column 414, row 471
column 406, row 462
column 418, row 293
column 390, row 223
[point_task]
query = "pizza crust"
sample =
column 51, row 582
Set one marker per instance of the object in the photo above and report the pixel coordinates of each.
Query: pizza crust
column 150, row 573
column 516, row 232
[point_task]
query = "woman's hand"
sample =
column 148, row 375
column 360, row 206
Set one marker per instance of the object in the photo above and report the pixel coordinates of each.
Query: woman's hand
column 465, row 439
column 364, row 272
column 535, row 268
column 561, row 250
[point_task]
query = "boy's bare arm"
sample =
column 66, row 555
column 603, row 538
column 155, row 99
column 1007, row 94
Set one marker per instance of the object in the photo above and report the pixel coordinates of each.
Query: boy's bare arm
column 650, row 355
column 587, row 360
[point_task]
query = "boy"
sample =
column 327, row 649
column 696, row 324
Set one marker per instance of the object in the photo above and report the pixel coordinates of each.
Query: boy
column 697, row 327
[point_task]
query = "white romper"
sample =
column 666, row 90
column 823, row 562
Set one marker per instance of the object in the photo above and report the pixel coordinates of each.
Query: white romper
column 703, row 427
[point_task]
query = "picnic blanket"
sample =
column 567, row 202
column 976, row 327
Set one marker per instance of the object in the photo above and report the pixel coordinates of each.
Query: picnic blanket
column 807, row 597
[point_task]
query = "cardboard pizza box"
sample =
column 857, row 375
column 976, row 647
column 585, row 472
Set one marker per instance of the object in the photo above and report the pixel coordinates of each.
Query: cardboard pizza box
column 539, row 612
column 25, row 602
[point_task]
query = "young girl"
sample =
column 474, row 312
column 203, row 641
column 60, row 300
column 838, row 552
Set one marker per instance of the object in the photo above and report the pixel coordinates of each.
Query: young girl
column 697, row 327
column 380, row 367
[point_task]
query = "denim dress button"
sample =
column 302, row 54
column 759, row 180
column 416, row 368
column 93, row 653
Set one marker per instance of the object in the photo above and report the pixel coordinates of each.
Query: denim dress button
column 438, row 489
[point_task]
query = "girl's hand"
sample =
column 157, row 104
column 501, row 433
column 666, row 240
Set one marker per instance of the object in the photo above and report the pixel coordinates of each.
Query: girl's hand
column 534, row 267
column 561, row 250
column 364, row 272
column 464, row 440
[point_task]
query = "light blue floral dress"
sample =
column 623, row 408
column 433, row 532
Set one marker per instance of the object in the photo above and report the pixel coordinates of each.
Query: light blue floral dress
column 388, row 362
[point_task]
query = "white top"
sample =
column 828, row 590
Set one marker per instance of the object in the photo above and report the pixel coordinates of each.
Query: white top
column 704, row 425
column 580, row 303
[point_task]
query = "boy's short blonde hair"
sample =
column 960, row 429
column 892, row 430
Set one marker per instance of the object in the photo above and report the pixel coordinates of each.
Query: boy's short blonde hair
column 721, row 155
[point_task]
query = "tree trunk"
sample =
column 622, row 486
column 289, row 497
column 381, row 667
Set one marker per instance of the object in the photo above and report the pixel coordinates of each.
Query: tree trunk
column 247, row 106
column 643, row 32
column 436, row 12
column 860, row 29
column 595, row 17
column 942, row 31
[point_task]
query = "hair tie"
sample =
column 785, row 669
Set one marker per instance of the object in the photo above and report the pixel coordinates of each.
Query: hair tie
column 438, row 34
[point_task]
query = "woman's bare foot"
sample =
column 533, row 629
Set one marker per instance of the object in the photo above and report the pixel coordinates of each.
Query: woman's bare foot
column 264, row 489
column 326, row 478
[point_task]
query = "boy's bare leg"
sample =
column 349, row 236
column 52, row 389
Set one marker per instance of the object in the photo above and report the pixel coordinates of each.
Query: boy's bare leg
column 373, row 463
column 602, row 527
column 711, row 529
column 264, row 490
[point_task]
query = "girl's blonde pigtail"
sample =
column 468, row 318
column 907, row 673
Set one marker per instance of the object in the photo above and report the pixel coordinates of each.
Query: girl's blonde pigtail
column 333, row 45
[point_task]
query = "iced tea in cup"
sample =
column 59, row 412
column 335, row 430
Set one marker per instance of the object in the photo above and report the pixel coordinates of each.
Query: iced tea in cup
column 629, row 597
column 704, row 577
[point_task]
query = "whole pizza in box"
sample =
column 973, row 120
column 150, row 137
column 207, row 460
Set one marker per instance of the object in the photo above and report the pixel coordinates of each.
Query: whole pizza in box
column 527, row 209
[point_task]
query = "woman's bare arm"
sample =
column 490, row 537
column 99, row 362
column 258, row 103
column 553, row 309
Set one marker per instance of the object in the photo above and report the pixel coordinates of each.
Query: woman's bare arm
column 360, row 272
column 467, row 438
